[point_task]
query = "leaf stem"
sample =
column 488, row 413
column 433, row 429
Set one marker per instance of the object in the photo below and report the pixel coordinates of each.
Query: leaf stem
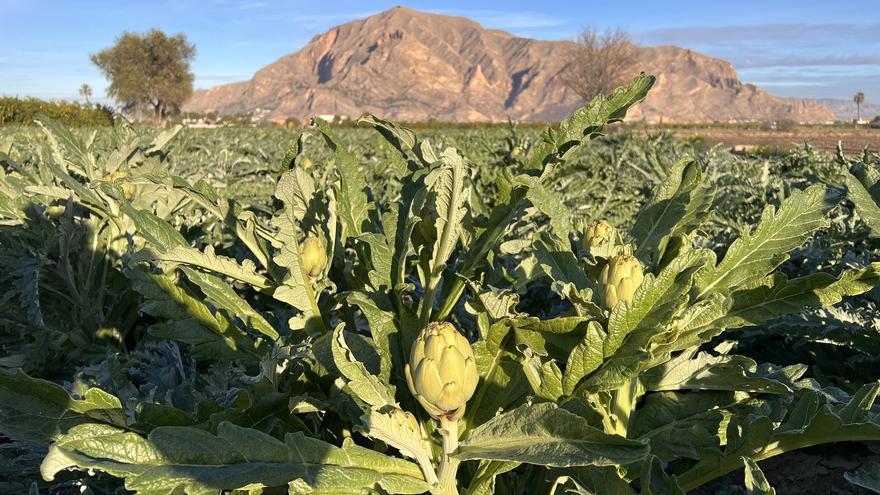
column 448, row 465
column 622, row 406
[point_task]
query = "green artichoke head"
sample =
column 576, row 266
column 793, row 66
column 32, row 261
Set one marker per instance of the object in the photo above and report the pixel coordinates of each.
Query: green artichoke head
column 599, row 234
column 619, row 280
column 442, row 372
column 314, row 257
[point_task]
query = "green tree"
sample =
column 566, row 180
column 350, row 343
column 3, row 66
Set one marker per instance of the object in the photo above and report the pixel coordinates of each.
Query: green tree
column 149, row 72
column 85, row 91
column 858, row 99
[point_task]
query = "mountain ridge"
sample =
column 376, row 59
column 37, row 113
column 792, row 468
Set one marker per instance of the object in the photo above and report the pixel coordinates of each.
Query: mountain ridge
column 845, row 110
column 409, row 65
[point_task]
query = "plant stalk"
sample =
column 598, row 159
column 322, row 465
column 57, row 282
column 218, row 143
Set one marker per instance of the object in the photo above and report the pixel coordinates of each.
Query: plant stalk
column 622, row 406
column 448, row 469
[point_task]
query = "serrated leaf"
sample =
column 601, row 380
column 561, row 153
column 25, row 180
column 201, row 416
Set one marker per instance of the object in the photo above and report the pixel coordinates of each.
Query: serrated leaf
column 655, row 302
column 655, row 481
column 545, row 435
column 704, row 371
column 547, row 202
column 211, row 334
column 207, row 260
column 677, row 206
column 867, row 476
column 223, row 296
column 383, row 328
column 757, row 438
column 777, row 296
column 681, row 425
column 755, row 254
column 447, row 184
column 756, row 483
column 352, row 189
column 544, row 377
column 860, row 181
column 195, row 461
column 585, row 358
column 502, row 381
column 155, row 230
column 587, row 122
column 38, row 410
column 483, row 482
column 391, row 426
column 367, row 386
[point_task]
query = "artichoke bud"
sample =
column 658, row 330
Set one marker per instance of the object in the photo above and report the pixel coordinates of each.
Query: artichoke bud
column 314, row 257
column 442, row 371
column 128, row 190
column 619, row 280
column 599, row 236
column 55, row 212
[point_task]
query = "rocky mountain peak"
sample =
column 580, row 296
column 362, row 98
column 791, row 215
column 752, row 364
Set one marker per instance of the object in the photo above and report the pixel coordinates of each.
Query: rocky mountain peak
column 416, row 66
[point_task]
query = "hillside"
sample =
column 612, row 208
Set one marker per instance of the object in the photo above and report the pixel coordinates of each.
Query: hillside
column 414, row 66
column 846, row 109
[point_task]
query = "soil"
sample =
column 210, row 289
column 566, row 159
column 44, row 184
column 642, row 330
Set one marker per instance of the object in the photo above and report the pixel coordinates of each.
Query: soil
column 823, row 138
column 813, row 471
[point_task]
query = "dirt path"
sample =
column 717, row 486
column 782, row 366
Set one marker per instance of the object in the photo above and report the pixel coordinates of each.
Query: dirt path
column 824, row 138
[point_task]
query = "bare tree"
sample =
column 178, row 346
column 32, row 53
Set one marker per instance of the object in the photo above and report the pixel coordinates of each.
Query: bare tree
column 599, row 62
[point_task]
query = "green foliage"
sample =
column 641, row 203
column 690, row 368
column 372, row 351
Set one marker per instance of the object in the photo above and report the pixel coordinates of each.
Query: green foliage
column 148, row 72
column 25, row 111
column 238, row 367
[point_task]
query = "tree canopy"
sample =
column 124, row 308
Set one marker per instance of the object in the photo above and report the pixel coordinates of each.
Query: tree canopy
column 599, row 62
column 148, row 72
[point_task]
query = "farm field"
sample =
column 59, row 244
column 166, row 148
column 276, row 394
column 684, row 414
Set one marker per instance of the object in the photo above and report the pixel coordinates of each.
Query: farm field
column 823, row 138
column 264, row 310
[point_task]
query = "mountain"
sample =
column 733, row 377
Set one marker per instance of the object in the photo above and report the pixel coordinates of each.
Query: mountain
column 414, row 66
column 846, row 109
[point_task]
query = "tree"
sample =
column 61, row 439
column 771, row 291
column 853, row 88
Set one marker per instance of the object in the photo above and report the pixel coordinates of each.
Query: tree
column 149, row 72
column 858, row 99
column 85, row 91
column 599, row 62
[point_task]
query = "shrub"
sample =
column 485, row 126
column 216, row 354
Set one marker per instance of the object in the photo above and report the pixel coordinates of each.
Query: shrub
column 24, row 111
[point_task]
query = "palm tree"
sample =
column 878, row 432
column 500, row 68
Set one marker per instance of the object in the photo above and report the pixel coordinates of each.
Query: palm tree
column 85, row 91
column 858, row 99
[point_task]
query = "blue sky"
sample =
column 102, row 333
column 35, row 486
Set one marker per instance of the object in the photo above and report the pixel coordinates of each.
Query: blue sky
column 792, row 48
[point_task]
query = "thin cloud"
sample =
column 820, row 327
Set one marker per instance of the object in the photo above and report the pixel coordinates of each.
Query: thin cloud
column 809, row 33
column 796, row 61
column 252, row 5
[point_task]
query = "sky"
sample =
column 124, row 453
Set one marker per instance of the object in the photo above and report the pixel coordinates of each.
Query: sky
column 806, row 48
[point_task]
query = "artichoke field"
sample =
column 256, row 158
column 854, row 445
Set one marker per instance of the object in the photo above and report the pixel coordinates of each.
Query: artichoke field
column 563, row 312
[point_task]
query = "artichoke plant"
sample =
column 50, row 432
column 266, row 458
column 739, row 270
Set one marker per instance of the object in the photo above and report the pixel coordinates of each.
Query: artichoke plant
column 442, row 374
column 619, row 280
column 314, row 257
column 569, row 401
column 599, row 234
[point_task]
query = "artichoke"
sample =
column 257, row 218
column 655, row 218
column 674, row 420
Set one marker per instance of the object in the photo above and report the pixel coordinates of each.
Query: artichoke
column 128, row 190
column 442, row 372
column 619, row 280
column 314, row 257
column 599, row 234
